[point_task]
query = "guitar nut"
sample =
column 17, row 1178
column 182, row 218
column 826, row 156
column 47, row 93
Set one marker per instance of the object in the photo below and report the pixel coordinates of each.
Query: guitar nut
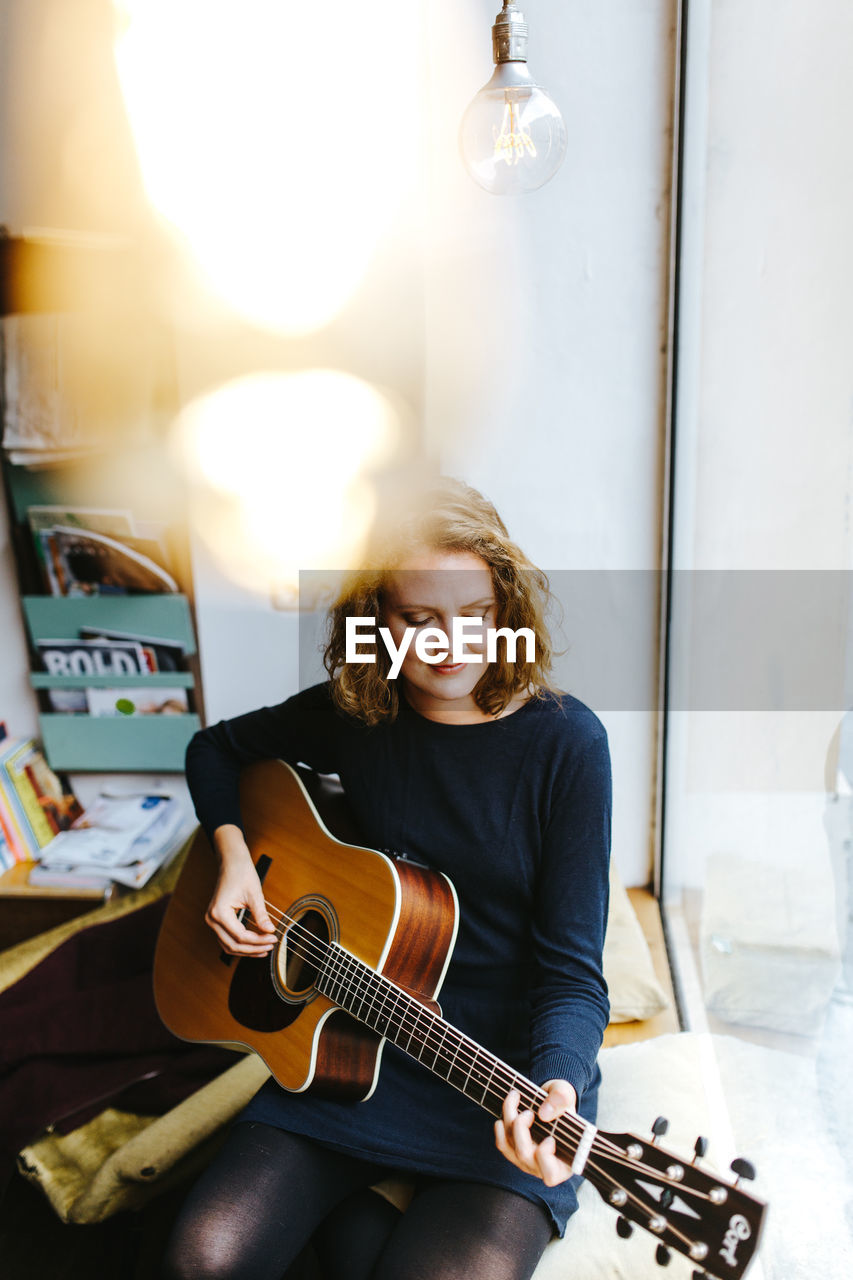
column 635, row 1151
column 675, row 1172
column 618, row 1196
column 718, row 1195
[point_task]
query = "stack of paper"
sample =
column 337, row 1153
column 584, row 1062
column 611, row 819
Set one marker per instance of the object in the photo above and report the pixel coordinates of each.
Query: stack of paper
column 120, row 839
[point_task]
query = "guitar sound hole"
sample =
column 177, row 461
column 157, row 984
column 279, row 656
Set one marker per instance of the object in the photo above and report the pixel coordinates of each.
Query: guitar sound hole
column 298, row 956
column 301, row 947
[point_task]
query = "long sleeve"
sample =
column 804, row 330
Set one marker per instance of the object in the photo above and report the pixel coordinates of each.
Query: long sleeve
column 296, row 731
column 570, row 1008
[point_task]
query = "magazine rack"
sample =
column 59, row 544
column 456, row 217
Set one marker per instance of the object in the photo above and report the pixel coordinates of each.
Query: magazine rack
column 79, row 742
column 134, row 743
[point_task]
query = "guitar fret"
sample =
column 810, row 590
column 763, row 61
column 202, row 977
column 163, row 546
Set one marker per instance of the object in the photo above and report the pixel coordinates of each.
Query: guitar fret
column 439, row 1048
column 374, row 989
column 478, row 1063
column 489, row 1078
column 417, row 1012
column 363, row 987
column 390, row 1013
column 394, row 1014
column 449, row 1070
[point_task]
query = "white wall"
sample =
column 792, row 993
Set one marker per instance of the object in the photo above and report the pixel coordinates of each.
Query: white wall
column 765, row 429
column 546, row 334
column 18, row 706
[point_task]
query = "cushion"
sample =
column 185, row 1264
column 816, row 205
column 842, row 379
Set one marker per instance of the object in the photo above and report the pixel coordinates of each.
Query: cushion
column 635, row 992
column 118, row 1160
column 776, row 967
column 639, row 1082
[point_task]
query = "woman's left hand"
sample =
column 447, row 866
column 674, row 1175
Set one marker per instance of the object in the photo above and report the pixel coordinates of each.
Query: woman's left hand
column 515, row 1141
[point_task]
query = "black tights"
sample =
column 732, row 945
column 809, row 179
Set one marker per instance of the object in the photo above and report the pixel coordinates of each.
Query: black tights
column 268, row 1193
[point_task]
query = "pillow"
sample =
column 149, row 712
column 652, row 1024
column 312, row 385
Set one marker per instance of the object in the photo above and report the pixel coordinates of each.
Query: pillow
column 119, row 1160
column 639, row 1081
column 635, row 992
column 776, row 967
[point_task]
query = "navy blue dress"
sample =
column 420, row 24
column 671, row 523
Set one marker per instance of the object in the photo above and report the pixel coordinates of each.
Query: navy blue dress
column 516, row 811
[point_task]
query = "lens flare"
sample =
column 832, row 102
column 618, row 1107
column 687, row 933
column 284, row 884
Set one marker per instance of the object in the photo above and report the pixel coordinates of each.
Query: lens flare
column 280, row 469
column 271, row 144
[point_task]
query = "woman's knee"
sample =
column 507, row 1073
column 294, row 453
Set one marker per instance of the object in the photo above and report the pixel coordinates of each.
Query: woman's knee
column 203, row 1258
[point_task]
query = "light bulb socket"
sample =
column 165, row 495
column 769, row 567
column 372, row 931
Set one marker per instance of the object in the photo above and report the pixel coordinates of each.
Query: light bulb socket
column 511, row 75
column 509, row 35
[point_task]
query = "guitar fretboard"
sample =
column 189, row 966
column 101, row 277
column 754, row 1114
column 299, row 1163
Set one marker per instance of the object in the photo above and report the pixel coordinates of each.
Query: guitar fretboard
column 439, row 1046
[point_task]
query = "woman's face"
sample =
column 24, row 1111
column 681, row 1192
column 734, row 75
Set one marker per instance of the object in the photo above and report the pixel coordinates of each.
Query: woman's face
column 430, row 589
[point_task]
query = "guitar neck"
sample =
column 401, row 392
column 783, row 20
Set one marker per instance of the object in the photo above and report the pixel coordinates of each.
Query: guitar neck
column 644, row 1182
column 422, row 1033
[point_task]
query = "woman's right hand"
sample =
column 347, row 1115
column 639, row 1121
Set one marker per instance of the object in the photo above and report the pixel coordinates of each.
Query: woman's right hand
column 238, row 889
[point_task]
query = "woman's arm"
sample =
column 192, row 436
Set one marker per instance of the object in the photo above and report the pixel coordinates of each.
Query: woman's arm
column 570, row 1008
column 296, row 730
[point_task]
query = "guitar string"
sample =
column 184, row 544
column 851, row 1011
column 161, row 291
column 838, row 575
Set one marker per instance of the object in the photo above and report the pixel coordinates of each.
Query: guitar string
column 562, row 1128
column 467, row 1052
column 575, row 1126
column 409, row 1021
column 464, row 1057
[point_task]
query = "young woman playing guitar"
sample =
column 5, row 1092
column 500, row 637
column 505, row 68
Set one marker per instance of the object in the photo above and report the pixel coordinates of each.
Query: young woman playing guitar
column 484, row 772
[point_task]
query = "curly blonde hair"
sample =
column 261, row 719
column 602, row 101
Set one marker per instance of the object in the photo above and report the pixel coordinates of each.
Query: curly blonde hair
column 451, row 516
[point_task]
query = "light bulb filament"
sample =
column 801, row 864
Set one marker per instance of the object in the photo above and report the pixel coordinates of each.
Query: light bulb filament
column 513, row 142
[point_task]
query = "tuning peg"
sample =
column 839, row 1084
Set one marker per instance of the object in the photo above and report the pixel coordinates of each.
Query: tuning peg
column 699, row 1148
column 662, row 1256
column 666, row 1197
column 659, row 1127
column 624, row 1227
column 743, row 1169
column 700, row 1275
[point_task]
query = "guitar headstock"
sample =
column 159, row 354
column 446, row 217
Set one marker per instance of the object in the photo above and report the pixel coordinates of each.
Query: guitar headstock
column 714, row 1222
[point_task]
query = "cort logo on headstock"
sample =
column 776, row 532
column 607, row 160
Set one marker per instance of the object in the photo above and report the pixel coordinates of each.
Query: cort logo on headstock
column 738, row 1230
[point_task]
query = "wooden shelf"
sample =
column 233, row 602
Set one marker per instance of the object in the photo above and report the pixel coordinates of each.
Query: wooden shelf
column 166, row 616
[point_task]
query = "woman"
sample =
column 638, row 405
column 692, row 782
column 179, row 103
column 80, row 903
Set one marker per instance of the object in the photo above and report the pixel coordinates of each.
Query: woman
column 482, row 771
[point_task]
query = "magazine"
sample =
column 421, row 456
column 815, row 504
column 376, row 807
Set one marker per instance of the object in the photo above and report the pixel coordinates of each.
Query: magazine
column 157, row 701
column 117, row 856
column 163, row 654
column 42, row 519
column 104, row 834
column 93, row 657
column 83, row 562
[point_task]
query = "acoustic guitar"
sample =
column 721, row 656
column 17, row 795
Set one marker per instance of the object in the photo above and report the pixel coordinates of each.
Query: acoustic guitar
column 362, row 945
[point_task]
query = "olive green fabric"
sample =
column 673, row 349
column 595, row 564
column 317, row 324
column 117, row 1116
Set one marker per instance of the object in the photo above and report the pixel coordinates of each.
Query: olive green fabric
column 118, row 1161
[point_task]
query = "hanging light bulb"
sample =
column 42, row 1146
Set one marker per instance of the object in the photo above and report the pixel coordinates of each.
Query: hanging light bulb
column 512, row 135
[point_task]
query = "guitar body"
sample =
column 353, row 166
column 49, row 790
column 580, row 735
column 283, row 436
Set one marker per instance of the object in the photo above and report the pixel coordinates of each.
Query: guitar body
column 398, row 918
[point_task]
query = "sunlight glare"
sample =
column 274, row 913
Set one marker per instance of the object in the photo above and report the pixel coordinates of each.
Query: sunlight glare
column 280, row 468
column 279, row 141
